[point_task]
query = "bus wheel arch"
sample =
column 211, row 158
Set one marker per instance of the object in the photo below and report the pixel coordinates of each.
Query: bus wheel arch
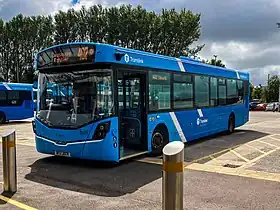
column 2, row 117
column 160, row 138
column 231, row 123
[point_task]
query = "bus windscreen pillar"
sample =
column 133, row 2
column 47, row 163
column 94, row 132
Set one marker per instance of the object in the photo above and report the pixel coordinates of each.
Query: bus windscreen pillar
column 173, row 176
column 9, row 161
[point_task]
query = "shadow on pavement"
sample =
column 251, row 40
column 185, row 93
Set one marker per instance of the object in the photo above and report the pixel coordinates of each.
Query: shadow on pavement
column 92, row 177
column 112, row 180
column 7, row 195
column 218, row 144
column 198, row 151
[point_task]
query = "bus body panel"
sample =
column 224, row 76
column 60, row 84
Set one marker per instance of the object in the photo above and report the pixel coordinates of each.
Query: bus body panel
column 79, row 142
column 24, row 111
column 106, row 149
column 198, row 123
column 21, row 111
column 161, row 118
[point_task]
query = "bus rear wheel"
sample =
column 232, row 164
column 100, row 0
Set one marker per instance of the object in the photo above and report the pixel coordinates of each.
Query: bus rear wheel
column 231, row 124
column 2, row 118
column 159, row 140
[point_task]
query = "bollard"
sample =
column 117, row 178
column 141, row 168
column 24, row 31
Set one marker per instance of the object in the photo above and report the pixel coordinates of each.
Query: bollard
column 9, row 161
column 173, row 176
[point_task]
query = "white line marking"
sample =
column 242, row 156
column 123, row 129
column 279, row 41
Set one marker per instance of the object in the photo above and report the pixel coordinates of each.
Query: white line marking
column 180, row 64
column 7, row 86
column 178, row 127
column 200, row 113
column 237, row 74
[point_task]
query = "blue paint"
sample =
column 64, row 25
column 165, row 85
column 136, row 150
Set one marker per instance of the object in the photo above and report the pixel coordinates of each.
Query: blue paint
column 13, row 93
column 79, row 142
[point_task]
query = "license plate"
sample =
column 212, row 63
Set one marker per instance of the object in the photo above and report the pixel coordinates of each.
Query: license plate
column 64, row 154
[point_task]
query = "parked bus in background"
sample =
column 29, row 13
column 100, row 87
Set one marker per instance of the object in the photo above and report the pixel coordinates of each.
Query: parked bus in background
column 16, row 101
column 122, row 102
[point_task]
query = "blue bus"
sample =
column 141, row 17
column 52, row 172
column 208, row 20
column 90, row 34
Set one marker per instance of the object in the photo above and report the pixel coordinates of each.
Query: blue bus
column 119, row 103
column 16, row 101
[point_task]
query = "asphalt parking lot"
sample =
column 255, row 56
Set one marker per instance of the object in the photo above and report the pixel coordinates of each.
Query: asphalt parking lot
column 238, row 171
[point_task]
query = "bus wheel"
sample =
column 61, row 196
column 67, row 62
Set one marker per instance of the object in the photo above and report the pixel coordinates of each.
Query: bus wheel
column 159, row 140
column 231, row 124
column 2, row 118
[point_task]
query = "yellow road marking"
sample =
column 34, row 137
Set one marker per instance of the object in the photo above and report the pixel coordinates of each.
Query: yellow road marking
column 149, row 160
column 238, row 155
column 254, row 148
column 267, row 143
column 16, row 203
column 212, row 158
column 235, row 172
column 274, row 138
column 153, row 161
column 253, row 161
column 214, row 154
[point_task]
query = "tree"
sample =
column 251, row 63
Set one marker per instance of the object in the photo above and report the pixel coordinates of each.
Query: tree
column 257, row 92
column 170, row 33
column 251, row 91
column 214, row 62
column 273, row 89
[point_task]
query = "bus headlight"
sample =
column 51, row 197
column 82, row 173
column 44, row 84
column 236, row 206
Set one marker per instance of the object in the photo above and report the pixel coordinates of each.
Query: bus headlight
column 101, row 130
column 34, row 126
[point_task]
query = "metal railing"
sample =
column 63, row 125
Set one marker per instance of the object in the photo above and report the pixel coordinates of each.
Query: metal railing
column 173, row 176
column 9, row 161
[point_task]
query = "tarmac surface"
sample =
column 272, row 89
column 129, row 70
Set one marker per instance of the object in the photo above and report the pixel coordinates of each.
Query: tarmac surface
column 238, row 171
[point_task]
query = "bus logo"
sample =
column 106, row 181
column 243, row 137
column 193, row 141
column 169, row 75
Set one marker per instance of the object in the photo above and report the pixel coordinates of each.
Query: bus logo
column 201, row 121
column 126, row 58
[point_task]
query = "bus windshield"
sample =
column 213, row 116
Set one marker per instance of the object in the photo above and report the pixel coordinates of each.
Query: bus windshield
column 78, row 97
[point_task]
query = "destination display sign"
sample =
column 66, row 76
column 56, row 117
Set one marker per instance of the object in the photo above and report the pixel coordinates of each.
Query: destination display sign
column 66, row 55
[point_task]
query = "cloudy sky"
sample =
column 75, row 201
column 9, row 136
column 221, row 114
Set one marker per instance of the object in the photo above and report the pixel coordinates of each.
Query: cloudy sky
column 243, row 33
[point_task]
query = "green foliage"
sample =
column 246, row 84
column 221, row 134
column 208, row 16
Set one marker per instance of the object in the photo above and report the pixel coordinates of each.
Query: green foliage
column 273, row 89
column 169, row 33
column 257, row 92
column 266, row 94
column 251, row 91
column 214, row 62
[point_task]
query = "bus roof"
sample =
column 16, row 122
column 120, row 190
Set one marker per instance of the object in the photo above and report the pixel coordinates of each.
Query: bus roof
column 15, row 86
column 113, row 54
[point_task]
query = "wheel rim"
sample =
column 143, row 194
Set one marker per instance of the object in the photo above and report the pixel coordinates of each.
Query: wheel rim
column 157, row 141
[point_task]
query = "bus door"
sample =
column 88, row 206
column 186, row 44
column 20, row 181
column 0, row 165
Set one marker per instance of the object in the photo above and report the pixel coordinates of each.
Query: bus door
column 132, row 113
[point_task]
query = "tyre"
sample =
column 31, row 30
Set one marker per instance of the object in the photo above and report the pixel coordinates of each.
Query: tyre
column 2, row 118
column 231, row 124
column 159, row 139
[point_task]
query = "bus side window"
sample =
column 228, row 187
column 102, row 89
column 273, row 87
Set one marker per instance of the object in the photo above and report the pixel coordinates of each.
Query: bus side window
column 201, row 91
column 240, row 89
column 213, row 91
column 14, row 98
column 3, row 98
column 183, row 91
column 232, row 94
column 159, row 91
column 222, row 91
